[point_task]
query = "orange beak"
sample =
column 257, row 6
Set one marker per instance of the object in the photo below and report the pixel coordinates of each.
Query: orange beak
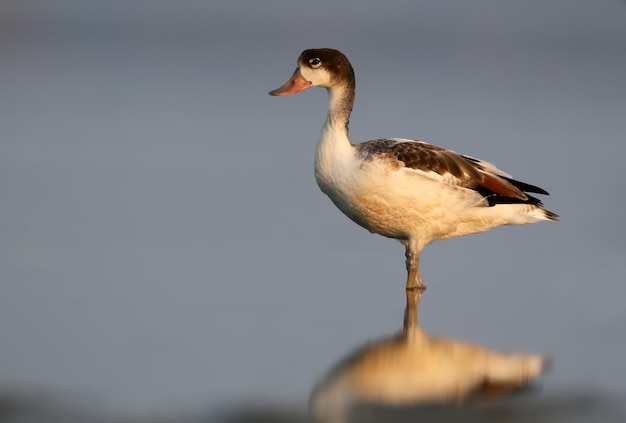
column 295, row 84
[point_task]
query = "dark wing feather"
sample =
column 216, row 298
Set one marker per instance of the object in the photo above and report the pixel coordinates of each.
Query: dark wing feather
column 452, row 168
column 522, row 186
column 527, row 187
column 425, row 157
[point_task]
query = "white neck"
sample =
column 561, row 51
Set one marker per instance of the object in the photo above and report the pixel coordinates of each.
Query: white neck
column 334, row 146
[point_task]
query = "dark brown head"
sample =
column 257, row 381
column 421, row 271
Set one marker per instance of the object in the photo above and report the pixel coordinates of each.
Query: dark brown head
column 320, row 67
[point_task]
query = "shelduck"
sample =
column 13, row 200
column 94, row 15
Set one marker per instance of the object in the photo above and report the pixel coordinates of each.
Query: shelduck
column 405, row 189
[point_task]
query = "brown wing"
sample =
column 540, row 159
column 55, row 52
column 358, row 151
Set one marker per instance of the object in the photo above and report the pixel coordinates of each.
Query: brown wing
column 443, row 165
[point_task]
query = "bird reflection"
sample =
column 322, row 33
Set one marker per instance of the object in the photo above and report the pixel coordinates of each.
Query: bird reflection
column 414, row 368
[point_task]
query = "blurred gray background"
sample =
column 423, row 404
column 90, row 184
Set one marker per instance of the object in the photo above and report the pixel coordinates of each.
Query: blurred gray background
column 164, row 245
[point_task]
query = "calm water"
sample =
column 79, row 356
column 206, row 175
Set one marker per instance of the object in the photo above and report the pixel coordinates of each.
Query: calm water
column 166, row 254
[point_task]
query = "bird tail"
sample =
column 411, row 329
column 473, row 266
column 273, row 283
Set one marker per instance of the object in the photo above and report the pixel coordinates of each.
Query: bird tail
column 520, row 213
column 540, row 213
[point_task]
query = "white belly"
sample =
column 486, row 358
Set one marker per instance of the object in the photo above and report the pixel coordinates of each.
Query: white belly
column 395, row 202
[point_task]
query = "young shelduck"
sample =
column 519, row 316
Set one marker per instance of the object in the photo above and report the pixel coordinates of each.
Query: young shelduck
column 405, row 189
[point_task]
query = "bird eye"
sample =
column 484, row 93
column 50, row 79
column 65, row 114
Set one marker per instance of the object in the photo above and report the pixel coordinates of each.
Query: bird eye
column 315, row 63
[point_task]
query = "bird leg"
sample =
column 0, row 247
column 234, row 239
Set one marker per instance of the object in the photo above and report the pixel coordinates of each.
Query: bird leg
column 411, row 321
column 413, row 279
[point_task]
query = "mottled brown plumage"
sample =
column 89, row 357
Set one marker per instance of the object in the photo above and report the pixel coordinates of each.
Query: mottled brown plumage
column 422, row 156
column 455, row 169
